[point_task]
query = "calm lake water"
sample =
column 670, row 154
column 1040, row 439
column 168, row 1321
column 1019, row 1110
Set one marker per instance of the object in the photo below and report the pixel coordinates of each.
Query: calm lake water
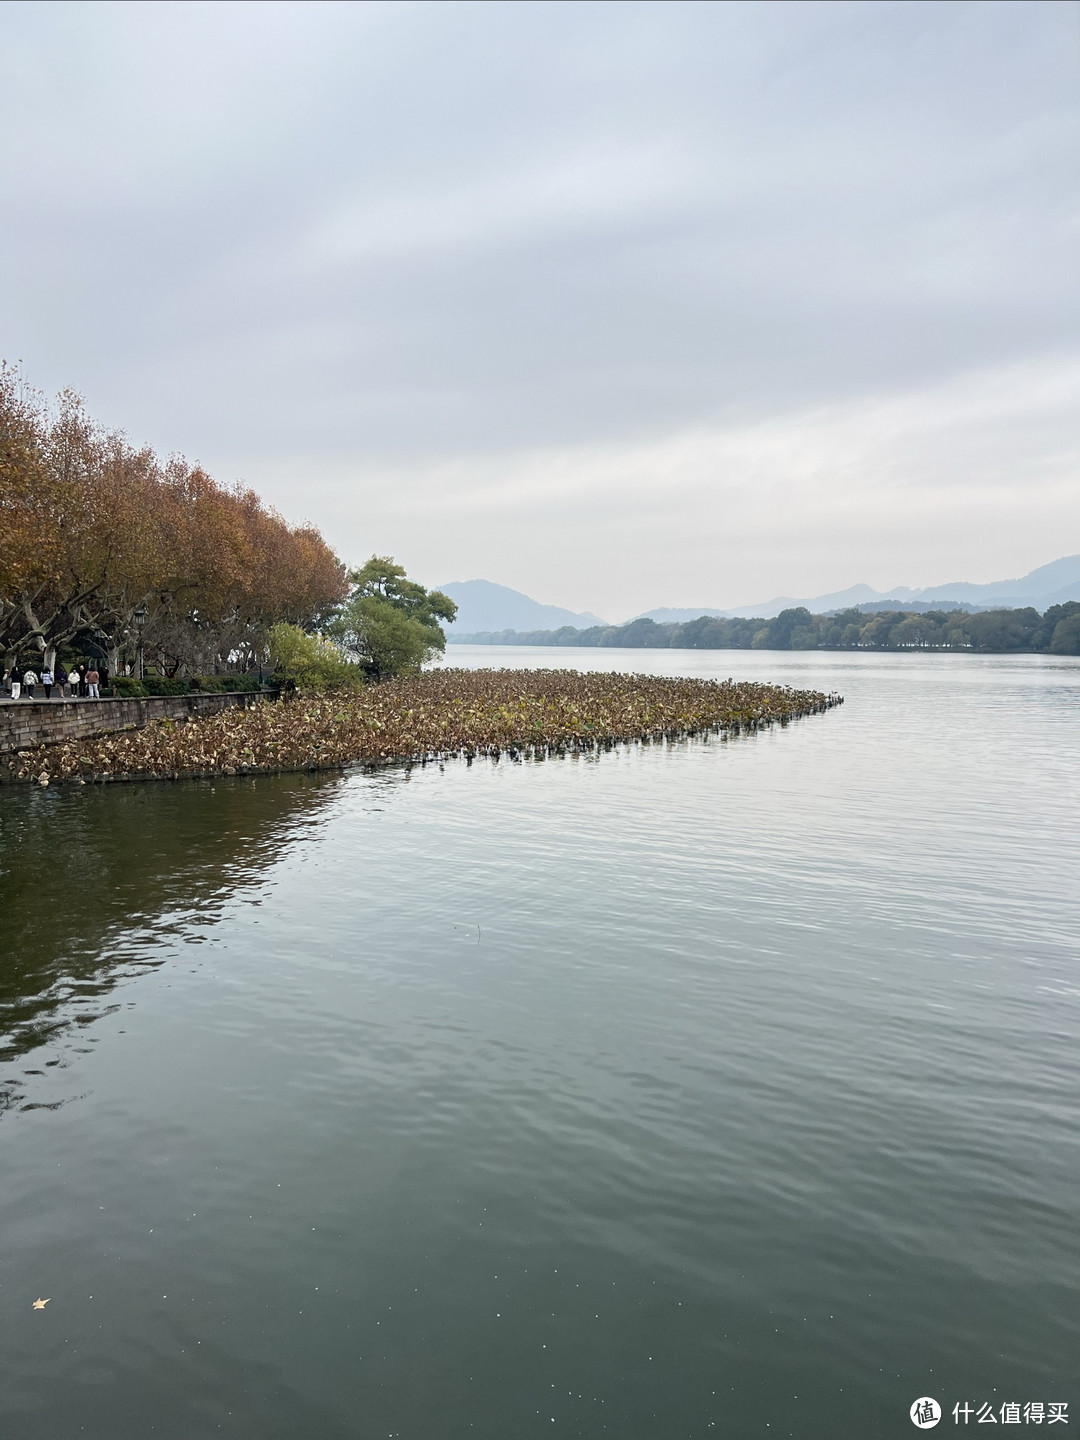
column 721, row 1087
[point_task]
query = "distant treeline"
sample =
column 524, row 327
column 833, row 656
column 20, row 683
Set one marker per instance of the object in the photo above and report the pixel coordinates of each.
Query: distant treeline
column 1057, row 632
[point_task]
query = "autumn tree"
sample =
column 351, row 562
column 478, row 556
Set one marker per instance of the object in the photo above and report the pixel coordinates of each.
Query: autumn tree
column 97, row 531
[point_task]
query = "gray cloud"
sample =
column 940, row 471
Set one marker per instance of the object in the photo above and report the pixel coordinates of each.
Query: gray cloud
column 345, row 247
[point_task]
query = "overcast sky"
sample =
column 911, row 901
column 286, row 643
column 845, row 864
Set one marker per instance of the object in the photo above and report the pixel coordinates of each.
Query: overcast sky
column 618, row 304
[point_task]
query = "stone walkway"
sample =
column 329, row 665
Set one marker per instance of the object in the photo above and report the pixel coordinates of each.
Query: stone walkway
column 39, row 699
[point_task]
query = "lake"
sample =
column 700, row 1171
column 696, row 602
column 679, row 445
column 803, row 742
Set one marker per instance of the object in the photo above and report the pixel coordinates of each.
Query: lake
column 715, row 1087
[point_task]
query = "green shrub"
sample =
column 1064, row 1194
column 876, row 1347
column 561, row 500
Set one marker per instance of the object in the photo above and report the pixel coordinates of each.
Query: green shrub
column 165, row 685
column 219, row 684
column 125, row 687
column 311, row 662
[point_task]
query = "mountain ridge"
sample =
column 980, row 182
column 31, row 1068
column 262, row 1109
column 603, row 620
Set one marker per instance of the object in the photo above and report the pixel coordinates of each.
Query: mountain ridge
column 484, row 605
column 1050, row 584
column 488, row 608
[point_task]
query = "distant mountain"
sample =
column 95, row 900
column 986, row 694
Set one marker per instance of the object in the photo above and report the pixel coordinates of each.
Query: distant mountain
column 1048, row 585
column 855, row 595
column 483, row 606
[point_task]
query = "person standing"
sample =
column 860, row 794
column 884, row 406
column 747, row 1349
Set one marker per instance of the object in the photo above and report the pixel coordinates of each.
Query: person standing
column 46, row 680
column 92, row 678
column 81, row 674
column 16, row 685
column 30, row 680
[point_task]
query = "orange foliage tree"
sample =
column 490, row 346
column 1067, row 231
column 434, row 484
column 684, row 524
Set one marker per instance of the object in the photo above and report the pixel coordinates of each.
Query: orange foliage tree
column 95, row 531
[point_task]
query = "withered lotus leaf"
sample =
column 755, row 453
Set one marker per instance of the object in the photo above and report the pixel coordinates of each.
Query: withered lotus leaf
column 437, row 715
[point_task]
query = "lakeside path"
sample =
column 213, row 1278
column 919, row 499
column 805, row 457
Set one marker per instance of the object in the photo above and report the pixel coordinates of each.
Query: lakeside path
column 438, row 715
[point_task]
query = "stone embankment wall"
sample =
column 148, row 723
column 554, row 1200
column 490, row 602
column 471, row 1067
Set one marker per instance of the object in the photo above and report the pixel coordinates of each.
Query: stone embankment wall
column 27, row 723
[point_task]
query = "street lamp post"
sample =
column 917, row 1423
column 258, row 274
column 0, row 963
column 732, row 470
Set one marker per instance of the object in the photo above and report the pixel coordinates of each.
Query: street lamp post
column 140, row 621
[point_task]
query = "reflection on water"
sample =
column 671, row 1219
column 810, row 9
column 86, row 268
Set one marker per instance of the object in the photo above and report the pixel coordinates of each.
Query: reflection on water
column 91, row 877
column 690, row 1089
